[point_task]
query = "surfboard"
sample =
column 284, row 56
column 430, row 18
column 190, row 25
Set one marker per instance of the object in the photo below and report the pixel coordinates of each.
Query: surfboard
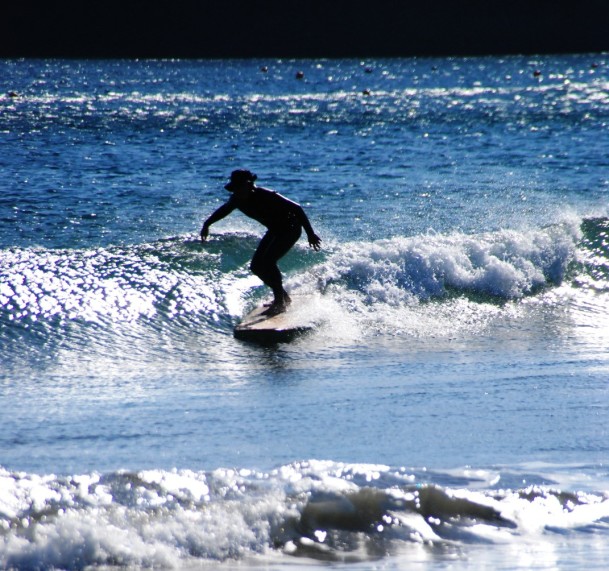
column 297, row 320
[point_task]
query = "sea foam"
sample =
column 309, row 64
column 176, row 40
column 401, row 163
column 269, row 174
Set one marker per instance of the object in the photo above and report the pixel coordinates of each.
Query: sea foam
column 318, row 509
column 506, row 264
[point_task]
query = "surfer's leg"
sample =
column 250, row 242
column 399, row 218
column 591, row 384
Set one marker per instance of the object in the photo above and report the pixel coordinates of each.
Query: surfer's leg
column 273, row 247
column 263, row 265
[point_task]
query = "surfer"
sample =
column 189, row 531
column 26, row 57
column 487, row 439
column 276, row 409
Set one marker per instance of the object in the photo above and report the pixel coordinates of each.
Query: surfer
column 284, row 221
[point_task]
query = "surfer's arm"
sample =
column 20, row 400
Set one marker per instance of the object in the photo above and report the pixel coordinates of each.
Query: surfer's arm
column 314, row 239
column 220, row 213
column 301, row 216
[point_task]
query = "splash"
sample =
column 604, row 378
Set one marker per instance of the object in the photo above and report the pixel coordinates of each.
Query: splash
column 503, row 265
column 320, row 510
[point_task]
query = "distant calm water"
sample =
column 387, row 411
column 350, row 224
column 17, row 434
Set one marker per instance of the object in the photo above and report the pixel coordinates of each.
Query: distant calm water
column 452, row 410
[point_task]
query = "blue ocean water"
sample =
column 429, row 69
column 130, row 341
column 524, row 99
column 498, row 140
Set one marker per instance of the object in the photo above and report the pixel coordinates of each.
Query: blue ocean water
column 451, row 411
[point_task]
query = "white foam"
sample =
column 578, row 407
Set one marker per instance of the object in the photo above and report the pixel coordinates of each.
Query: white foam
column 170, row 518
column 387, row 285
column 506, row 264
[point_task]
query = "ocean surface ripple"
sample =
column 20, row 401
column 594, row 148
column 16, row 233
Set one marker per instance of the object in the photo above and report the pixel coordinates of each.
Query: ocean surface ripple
column 450, row 409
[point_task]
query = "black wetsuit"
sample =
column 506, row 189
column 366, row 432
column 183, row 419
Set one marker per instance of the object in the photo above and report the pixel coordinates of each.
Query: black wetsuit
column 284, row 223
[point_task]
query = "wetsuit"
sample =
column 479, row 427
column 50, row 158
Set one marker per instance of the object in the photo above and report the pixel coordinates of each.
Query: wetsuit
column 284, row 221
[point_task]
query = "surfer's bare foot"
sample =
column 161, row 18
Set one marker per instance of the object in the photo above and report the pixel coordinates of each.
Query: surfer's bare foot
column 285, row 301
column 275, row 309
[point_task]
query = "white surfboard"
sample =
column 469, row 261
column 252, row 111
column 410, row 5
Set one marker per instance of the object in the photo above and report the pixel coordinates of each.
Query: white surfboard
column 298, row 319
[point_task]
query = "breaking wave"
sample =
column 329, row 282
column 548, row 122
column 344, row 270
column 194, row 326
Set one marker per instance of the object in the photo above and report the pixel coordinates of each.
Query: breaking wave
column 316, row 509
column 160, row 290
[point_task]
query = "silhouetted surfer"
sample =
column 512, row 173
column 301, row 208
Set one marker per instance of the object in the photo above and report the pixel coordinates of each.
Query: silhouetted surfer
column 284, row 221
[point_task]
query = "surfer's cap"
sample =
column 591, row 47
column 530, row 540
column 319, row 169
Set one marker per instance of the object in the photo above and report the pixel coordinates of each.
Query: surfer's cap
column 240, row 176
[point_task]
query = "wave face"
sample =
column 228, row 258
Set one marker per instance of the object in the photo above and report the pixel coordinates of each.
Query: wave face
column 324, row 511
column 92, row 297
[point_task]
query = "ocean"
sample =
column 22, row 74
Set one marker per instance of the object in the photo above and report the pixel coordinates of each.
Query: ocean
column 451, row 410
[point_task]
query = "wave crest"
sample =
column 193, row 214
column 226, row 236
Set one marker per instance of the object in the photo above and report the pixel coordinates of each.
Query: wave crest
column 503, row 265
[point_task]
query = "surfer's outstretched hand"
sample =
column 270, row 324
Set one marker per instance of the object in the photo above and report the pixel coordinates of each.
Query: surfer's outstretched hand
column 315, row 242
column 204, row 233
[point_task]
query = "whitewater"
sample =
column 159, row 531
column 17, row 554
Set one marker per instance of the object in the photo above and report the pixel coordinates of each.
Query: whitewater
column 450, row 411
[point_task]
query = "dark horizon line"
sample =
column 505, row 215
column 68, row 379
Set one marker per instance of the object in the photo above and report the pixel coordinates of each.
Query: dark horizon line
column 302, row 29
column 288, row 56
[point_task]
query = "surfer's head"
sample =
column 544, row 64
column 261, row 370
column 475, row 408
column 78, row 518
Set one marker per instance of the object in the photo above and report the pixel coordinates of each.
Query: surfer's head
column 239, row 179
